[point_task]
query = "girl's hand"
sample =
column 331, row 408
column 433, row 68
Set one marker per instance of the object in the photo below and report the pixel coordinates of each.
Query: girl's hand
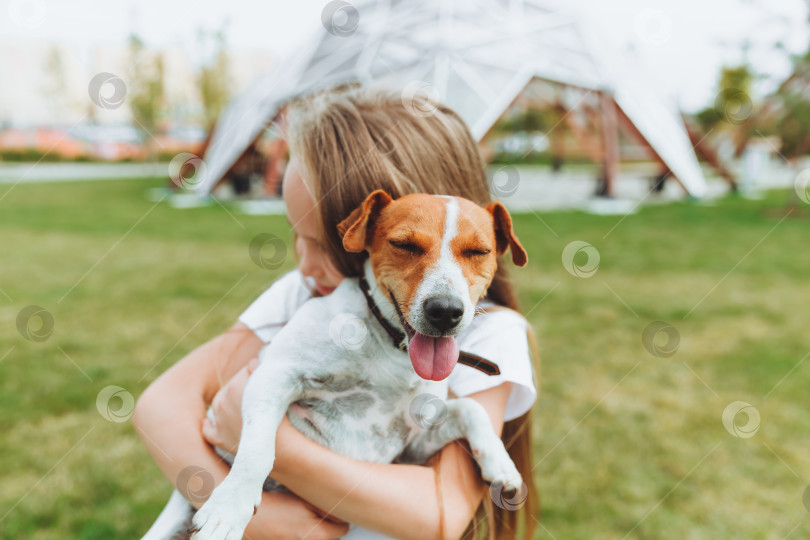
column 227, row 409
column 282, row 516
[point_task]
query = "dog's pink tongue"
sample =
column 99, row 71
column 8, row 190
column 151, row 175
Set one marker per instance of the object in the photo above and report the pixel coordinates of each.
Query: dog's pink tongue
column 433, row 358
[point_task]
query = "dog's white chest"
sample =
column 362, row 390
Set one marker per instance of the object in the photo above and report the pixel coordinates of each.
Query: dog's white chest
column 367, row 415
column 356, row 393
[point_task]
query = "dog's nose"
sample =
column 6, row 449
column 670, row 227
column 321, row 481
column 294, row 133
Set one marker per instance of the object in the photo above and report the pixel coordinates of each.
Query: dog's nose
column 443, row 312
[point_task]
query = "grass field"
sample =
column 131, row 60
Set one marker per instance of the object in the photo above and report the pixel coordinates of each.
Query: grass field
column 628, row 443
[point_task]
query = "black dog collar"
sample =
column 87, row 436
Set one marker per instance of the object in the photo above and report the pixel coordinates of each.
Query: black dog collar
column 396, row 334
column 400, row 342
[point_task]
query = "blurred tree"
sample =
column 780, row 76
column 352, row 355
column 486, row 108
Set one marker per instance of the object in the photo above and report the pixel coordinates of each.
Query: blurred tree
column 528, row 119
column 54, row 89
column 145, row 90
column 785, row 113
column 793, row 118
column 733, row 104
column 213, row 80
column 794, row 122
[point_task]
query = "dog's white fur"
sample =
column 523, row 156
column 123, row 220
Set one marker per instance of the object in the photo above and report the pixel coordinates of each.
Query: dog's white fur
column 363, row 400
column 445, row 278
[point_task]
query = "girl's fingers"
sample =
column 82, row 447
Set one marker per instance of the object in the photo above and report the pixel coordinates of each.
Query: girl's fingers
column 218, row 405
column 334, row 530
column 324, row 516
column 238, row 382
column 209, row 432
column 252, row 366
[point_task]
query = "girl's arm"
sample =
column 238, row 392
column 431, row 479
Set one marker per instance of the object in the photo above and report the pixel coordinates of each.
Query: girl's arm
column 168, row 418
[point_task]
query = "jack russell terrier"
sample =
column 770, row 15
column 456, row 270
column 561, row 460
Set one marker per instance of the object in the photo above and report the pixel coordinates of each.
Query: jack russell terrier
column 431, row 258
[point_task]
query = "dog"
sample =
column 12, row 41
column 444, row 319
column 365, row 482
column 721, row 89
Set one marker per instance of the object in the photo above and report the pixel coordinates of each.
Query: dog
column 431, row 259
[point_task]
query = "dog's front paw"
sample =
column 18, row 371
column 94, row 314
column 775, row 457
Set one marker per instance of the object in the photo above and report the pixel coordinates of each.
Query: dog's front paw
column 510, row 491
column 226, row 514
column 503, row 478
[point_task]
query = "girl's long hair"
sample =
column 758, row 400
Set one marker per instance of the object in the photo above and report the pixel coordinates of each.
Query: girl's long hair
column 355, row 140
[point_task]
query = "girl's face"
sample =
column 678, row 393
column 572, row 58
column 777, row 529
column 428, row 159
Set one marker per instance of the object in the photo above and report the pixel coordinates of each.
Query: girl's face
column 313, row 259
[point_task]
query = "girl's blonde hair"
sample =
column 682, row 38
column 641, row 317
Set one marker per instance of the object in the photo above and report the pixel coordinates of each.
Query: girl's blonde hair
column 355, row 140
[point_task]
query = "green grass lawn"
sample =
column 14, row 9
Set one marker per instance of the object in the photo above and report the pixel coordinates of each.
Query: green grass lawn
column 628, row 444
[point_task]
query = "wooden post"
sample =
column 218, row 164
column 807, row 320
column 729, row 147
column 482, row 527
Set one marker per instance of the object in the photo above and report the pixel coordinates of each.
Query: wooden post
column 709, row 154
column 610, row 143
column 583, row 132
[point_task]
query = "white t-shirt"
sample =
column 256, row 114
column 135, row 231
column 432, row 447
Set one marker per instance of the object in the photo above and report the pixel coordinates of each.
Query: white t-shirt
column 499, row 337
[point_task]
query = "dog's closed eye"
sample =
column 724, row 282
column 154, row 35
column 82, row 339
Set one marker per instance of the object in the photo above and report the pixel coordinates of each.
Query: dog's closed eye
column 407, row 245
column 475, row 252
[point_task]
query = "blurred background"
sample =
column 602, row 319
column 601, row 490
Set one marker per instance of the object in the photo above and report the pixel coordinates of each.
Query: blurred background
column 654, row 155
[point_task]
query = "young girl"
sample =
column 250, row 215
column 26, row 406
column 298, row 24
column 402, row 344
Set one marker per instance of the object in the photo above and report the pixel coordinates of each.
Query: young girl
column 343, row 145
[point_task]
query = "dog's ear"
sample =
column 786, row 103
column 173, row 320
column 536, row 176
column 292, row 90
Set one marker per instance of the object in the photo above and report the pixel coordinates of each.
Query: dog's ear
column 354, row 229
column 504, row 235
